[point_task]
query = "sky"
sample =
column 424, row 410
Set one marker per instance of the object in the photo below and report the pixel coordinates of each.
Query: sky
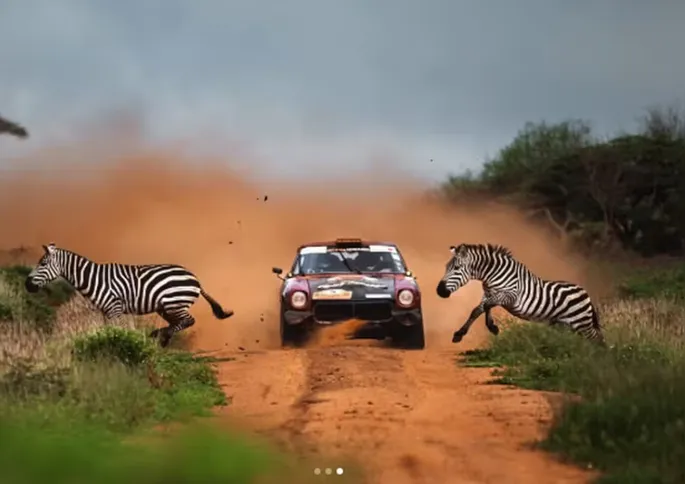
column 321, row 86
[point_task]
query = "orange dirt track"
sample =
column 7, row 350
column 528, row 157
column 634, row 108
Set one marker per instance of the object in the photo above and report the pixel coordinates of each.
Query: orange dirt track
column 407, row 417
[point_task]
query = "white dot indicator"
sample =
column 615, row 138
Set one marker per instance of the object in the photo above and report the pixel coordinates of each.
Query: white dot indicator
column 329, row 472
column 339, row 471
column 317, row 471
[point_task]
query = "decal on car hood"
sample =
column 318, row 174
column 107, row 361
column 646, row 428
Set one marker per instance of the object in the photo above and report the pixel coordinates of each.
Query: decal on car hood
column 352, row 287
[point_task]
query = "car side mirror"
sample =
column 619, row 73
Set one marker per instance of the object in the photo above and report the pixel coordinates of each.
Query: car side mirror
column 278, row 271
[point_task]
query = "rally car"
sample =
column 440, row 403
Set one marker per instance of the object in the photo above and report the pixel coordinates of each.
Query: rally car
column 336, row 281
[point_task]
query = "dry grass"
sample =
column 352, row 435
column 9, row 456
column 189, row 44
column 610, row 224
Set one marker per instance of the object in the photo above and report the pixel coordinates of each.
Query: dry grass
column 656, row 320
column 21, row 340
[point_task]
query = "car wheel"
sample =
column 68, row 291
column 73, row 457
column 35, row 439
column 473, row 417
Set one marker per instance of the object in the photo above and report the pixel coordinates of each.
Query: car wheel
column 410, row 337
column 292, row 334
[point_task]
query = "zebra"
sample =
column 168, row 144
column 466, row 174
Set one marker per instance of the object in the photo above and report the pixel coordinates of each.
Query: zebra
column 117, row 289
column 508, row 283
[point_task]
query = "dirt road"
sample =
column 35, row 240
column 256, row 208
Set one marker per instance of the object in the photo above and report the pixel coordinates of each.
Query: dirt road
column 406, row 416
column 409, row 417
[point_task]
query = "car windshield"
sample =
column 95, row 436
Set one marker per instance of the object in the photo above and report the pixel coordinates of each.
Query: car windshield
column 357, row 260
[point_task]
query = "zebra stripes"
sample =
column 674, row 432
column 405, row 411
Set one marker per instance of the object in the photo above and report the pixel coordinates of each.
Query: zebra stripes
column 116, row 289
column 510, row 284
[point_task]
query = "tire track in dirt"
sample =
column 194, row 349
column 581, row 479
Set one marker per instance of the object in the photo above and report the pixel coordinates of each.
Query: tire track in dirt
column 406, row 416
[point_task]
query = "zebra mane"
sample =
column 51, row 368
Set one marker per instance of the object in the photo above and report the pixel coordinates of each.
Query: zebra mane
column 71, row 252
column 491, row 249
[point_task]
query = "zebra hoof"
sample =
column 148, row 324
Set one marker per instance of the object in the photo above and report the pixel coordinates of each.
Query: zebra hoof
column 456, row 338
column 165, row 339
column 494, row 329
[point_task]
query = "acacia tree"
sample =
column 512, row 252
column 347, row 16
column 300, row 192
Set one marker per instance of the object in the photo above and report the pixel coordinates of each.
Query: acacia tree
column 12, row 128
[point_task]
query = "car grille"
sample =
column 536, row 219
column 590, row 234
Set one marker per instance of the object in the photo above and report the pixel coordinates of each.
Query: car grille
column 367, row 311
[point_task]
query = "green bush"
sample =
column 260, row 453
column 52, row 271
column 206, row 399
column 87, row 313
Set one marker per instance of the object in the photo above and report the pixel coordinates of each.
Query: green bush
column 630, row 407
column 119, row 379
column 186, row 385
column 114, row 343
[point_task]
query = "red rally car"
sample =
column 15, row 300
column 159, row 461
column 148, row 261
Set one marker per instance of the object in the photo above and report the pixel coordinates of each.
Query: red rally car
column 335, row 281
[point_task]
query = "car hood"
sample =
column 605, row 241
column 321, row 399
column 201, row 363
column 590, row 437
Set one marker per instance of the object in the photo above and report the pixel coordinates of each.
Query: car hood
column 352, row 286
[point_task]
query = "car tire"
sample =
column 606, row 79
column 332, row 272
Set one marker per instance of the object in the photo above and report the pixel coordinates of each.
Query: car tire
column 410, row 337
column 292, row 335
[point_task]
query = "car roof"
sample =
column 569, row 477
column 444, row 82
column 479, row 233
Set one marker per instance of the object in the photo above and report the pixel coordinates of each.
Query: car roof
column 331, row 243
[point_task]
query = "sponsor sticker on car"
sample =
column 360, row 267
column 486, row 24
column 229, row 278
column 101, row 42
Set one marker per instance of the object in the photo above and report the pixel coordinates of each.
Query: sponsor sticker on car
column 336, row 294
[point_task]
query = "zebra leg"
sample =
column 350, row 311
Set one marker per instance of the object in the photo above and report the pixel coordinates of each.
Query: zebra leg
column 475, row 314
column 178, row 321
column 490, row 322
column 156, row 332
column 112, row 312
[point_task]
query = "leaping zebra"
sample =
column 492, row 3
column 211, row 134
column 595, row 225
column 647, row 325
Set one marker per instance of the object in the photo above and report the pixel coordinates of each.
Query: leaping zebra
column 116, row 289
column 508, row 283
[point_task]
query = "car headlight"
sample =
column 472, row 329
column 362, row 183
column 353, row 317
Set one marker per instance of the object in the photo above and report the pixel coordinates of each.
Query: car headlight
column 405, row 298
column 298, row 299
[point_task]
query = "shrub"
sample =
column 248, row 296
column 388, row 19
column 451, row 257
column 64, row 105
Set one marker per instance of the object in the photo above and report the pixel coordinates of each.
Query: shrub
column 187, row 385
column 113, row 343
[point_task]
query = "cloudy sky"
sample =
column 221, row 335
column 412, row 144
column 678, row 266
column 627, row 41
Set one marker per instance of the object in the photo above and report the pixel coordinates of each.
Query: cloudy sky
column 318, row 84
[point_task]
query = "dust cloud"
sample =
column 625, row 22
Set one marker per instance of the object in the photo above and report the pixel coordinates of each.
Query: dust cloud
column 150, row 207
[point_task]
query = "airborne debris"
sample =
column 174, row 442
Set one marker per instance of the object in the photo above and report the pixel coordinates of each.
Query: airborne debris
column 241, row 348
column 230, row 242
column 266, row 197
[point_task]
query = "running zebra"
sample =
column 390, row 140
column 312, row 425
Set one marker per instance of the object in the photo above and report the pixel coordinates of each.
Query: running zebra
column 510, row 284
column 117, row 289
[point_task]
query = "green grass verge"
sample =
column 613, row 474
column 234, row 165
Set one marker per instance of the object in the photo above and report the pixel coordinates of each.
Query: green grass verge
column 629, row 417
column 651, row 283
column 85, row 453
column 80, row 423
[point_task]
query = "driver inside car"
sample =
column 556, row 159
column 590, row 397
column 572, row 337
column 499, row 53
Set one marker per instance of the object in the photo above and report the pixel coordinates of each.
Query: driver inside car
column 375, row 262
column 328, row 263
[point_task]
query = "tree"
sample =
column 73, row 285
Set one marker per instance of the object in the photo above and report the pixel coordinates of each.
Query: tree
column 10, row 127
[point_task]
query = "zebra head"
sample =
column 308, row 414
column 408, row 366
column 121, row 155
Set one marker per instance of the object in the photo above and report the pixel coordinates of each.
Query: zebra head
column 457, row 271
column 47, row 270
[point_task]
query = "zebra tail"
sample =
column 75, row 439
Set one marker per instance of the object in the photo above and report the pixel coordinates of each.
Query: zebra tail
column 595, row 319
column 598, row 327
column 218, row 311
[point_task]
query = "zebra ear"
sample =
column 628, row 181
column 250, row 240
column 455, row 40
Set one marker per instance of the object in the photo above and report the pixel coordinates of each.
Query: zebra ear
column 453, row 249
column 50, row 248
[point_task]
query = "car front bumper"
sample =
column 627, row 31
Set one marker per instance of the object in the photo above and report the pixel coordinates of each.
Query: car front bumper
column 331, row 314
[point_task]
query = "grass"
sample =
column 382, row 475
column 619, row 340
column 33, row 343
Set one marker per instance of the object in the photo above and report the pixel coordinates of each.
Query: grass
column 649, row 283
column 79, row 400
column 84, row 454
column 625, row 414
